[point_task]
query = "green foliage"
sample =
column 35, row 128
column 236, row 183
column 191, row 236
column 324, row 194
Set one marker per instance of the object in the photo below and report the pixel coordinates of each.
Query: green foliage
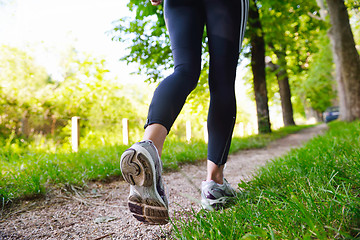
column 100, row 103
column 37, row 108
column 292, row 43
column 150, row 44
column 292, row 31
column 353, row 10
column 42, row 119
column 352, row 4
column 19, row 75
column 312, row 192
column 20, row 80
column 317, row 87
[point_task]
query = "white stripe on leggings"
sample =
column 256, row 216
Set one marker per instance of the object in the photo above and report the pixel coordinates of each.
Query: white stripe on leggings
column 244, row 17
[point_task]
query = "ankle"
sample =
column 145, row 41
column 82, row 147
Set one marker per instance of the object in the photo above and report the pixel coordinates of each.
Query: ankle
column 157, row 134
column 215, row 179
column 215, row 172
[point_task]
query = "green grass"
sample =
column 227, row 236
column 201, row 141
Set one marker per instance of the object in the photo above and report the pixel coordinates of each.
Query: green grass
column 311, row 193
column 27, row 174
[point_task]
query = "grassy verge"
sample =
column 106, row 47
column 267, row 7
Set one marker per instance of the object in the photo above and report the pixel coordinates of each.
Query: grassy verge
column 28, row 174
column 312, row 193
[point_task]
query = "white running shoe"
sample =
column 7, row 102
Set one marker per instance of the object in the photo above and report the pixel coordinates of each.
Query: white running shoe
column 141, row 167
column 216, row 196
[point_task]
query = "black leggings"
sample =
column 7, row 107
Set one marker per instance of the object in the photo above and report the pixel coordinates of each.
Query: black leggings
column 225, row 22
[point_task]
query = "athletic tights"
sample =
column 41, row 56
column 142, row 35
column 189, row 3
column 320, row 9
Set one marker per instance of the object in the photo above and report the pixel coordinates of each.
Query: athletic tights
column 225, row 22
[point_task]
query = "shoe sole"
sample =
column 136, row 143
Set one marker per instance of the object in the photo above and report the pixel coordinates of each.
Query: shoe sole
column 217, row 204
column 144, row 201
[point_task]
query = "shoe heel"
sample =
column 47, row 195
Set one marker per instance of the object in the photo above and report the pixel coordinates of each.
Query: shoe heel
column 136, row 168
column 149, row 211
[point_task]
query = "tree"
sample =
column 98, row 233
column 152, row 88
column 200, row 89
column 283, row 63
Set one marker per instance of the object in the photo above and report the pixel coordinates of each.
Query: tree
column 258, row 68
column 147, row 39
column 20, row 78
column 345, row 56
column 31, row 103
column 346, row 59
column 284, row 88
column 19, row 75
column 290, row 36
column 318, row 85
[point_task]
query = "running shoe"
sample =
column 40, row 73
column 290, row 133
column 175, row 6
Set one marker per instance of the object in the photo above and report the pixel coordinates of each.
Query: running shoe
column 141, row 167
column 216, row 196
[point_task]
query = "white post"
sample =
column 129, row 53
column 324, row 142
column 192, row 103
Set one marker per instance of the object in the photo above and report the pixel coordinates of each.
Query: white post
column 206, row 134
column 188, row 131
column 75, row 133
column 125, row 123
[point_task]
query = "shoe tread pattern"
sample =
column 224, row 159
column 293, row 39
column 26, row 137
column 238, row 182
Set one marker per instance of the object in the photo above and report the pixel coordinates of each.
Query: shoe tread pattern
column 136, row 169
column 149, row 211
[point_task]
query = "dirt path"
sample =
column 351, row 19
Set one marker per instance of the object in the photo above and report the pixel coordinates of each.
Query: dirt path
column 101, row 211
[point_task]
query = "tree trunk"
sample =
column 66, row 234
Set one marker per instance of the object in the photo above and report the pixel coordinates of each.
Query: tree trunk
column 339, row 81
column 347, row 60
column 258, row 69
column 338, row 76
column 284, row 90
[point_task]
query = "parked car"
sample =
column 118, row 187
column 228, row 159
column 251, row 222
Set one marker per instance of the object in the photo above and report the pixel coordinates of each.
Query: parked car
column 331, row 113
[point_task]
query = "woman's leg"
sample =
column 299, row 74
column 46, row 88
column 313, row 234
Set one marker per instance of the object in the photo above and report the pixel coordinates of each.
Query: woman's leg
column 225, row 21
column 157, row 134
column 215, row 172
column 185, row 23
